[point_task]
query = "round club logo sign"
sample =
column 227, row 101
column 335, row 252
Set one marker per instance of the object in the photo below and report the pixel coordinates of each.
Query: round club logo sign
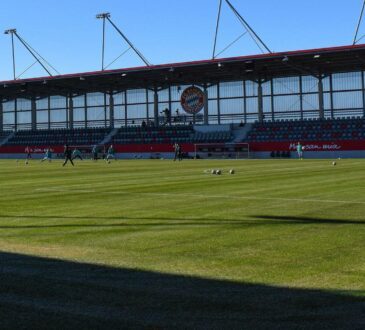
column 192, row 100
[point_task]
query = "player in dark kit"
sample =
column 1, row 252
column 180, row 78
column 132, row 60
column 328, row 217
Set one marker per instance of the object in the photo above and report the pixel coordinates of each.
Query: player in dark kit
column 177, row 151
column 180, row 154
column 68, row 155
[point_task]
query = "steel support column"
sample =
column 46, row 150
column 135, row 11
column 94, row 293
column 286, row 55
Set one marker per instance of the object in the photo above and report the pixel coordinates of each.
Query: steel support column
column 33, row 114
column 320, row 97
column 125, row 109
column 363, row 93
column 111, row 110
column 206, row 105
column 70, row 112
column 1, row 116
column 86, row 120
column 15, row 114
column 218, row 103
column 155, row 107
column 260, row 102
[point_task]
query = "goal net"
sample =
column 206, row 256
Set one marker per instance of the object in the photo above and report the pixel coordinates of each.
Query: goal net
column 222, row 150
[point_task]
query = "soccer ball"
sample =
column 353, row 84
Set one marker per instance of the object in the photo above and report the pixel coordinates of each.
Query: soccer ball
column 303, row 148
column 231, row 171
column 214, row 172
column 26, row 162
column 218, row 172
column 334, row 163
column 108, row 161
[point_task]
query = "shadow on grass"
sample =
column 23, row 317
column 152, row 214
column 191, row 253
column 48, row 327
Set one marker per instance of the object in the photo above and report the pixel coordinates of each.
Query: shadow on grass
column 40, row 293
column 258, row 220
column 307, row 220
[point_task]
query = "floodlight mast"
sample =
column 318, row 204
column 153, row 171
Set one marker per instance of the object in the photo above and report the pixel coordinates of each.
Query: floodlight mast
column 259, row 42
column 103, row 16
column 11, row 32
column 106, row 16
column 356, row 40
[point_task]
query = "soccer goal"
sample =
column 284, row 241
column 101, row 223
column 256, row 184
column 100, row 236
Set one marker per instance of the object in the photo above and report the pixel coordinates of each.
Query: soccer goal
column 222, row 150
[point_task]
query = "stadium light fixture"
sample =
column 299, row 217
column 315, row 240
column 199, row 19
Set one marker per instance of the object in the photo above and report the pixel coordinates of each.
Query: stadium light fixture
column 10, row 31
column 103, row 15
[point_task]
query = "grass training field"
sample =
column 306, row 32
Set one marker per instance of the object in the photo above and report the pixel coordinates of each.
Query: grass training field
column 157, row 244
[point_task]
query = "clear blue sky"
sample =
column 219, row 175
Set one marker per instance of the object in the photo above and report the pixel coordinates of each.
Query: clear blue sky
column 67, row 34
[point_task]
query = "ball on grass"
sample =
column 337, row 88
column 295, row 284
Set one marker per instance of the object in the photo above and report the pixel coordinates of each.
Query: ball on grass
column 219, row 172
column 334, row 164
column 231, row 171
column 213, row 172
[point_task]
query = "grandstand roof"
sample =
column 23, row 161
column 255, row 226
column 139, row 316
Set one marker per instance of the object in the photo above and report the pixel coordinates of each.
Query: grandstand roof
column 253, row 67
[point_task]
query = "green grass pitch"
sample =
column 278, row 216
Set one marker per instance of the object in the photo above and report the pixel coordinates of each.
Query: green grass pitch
column 160, row 244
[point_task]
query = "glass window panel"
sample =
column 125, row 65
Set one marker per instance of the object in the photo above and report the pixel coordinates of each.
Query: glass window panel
column 286, row 103
column 8, row 118
column 163, row 96
column 136, row 96
column 58, row 115
column 231, row 89
column 136, row 111
column 347, row 100
column 150, row 95
column 58, row 102
column 95, row 113
column 267, row 104
column 213, row 111
column 42, row 103
column 119, row 112
column 79, row 114
column 161, row 108
column 326, row 101
column 346, row 81
column 310, row 102
column 119, row 98
column 24, row 117
column 8, row 106
column 287, row 85
column 175, row 93
column 24, row 104
column 79, row 101
column 251, row 88
column 95, row 99
column 231, row 106
column 177, row 113
column 309, row 84
column 252, row 105
column 212, row 92
column 42, row 116
column 326, row 84
column 266, row 88
column 213, row 107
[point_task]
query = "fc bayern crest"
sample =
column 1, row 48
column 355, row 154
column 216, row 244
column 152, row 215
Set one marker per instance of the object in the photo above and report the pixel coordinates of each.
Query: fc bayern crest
column 192, row 100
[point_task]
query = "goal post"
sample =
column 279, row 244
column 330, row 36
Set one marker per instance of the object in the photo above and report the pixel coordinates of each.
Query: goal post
column 222, row 150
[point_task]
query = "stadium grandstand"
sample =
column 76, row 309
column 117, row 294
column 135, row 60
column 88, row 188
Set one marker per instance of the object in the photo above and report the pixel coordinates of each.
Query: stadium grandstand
column 269, row 101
